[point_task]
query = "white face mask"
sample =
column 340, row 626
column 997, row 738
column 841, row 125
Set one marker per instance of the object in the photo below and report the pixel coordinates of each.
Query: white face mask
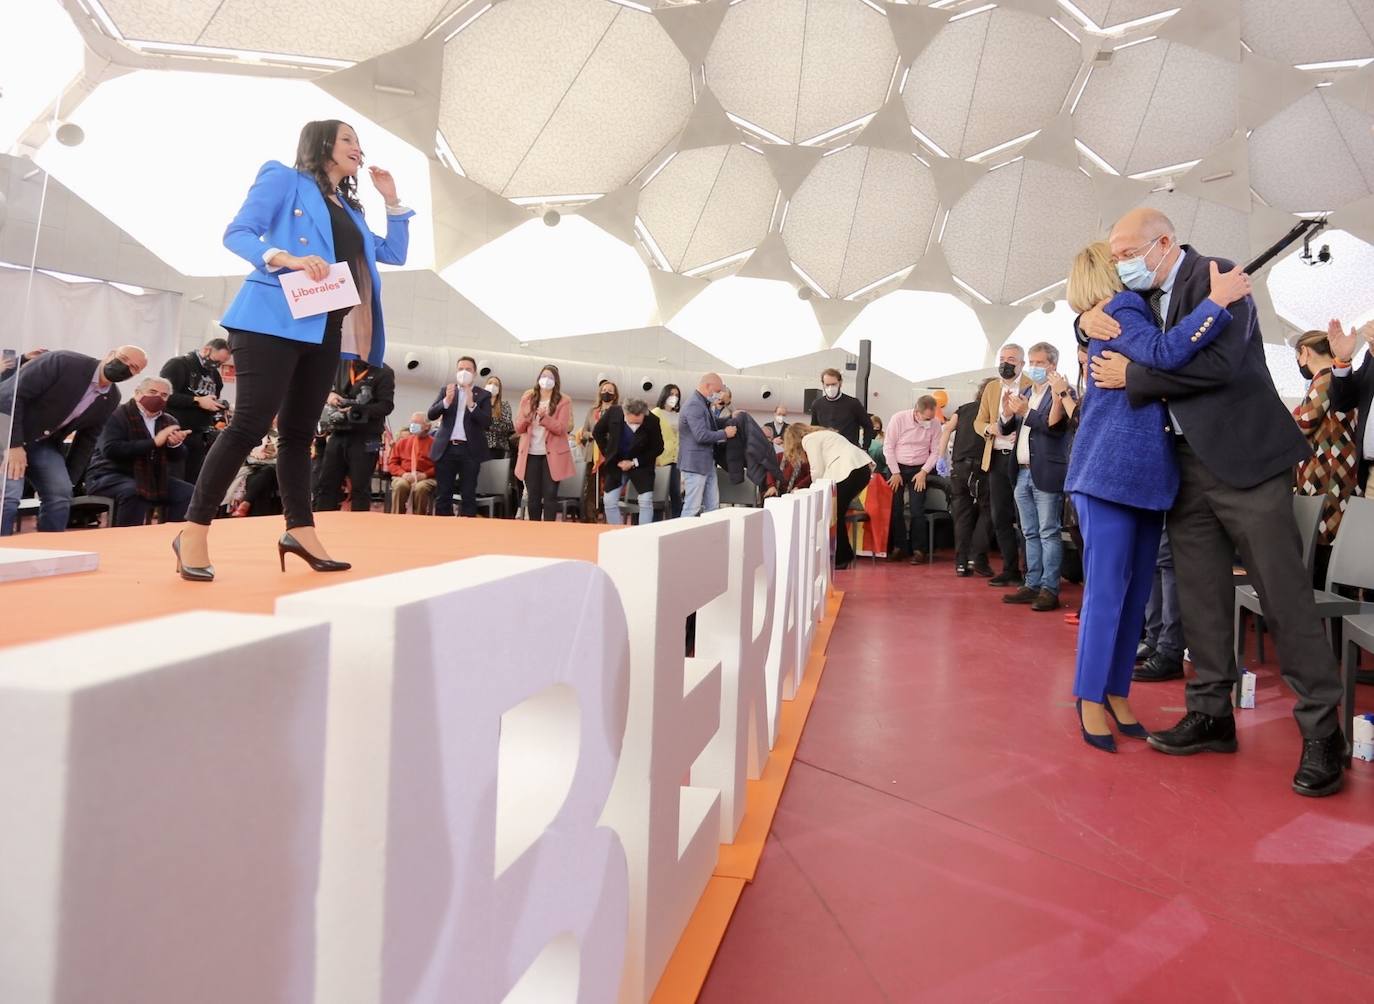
column 493, row 390
column 546, row 383
column 672, row 401
column 779, row 419
column 415, row 428
column 464, row 378
column 832, row 391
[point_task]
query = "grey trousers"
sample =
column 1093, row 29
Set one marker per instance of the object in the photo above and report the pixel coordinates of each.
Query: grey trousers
column 1209, row 523
column 1163, row 626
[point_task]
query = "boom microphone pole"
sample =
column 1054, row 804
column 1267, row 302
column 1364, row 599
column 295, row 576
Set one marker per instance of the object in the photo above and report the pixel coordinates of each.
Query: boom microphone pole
column 1303, row 229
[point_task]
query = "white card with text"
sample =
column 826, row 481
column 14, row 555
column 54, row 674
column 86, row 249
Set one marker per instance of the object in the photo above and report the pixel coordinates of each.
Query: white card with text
column 306, row 297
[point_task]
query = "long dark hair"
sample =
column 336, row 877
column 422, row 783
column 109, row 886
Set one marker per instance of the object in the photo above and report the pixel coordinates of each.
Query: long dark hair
column 315, row 150
column 669, row 390
column 554, row 396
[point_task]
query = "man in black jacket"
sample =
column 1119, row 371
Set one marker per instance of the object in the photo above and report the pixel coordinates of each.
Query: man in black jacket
column 1237, row 445
column 630, row 439
column 136, row 458
column 197, row 389
column 57, row 395
column 364, row 396
column 1352, row 391
column 836, row 410
column 463, row 411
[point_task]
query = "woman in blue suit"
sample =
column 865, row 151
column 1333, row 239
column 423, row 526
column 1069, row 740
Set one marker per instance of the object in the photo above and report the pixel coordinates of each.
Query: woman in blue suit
column 300, row 219
column 1123, row 478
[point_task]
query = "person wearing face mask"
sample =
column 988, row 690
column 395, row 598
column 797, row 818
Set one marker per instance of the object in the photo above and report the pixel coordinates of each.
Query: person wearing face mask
column 197, row 389
column 698, row 436
column 607, row 396
column 412, row 469
column 839, row 411
column 136, row 455
column 542, row 422
column 724, row 408
column 502, row 426
column 631, row 440
column 912, row 448
column 1352, row 391
column 460, row 446
column 366, row 394
column 1331, row 472
column 999, row 460
column 778, row 426
column 667, row 413
column 57, row 395
column 1038, row 420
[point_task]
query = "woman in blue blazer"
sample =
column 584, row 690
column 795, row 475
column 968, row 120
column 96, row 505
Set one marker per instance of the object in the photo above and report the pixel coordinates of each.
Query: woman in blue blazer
column 1123, row 478
column 295, row 219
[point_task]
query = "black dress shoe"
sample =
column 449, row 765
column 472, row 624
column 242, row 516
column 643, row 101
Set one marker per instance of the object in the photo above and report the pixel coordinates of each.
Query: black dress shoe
column 962, row 571
column 983, row 571
column 896, row 554
column 1158, row 668
column 1005, row 579
column 1143, row 653
column 1044, row 601
column 1025, row 595
column 918, row 557
column 1319, row 770
column 1197, row 733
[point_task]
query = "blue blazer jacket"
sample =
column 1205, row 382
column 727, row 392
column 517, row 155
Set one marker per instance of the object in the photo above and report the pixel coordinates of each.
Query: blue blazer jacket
column 1049, row 443
column 475, row 423
column 285, row 210
column 1125, row 453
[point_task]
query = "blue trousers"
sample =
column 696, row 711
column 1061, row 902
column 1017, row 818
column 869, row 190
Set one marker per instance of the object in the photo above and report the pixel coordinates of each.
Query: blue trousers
column 1120, row 543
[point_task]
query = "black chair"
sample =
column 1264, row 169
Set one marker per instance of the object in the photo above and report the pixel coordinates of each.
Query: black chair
column 937, row 511
column 855, row 518
column 493, row 477
column 742, row 494
column 569, row 499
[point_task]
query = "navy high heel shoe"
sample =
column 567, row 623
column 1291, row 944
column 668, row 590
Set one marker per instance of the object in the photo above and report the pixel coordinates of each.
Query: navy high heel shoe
column 1134, row 731
column 1105, row 743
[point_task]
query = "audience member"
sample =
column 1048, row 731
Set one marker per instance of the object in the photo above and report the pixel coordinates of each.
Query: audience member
column 750, row 453
column 698, row 435
column 631, row 440
column 779, row 425
column 60, row 394
column 831, row 456
column 135, row 457
column 877, row 446
column 912, row 449
column 1352, row 392
column 724, row 408
column 197, row 399
column 836, row 410
column 999, row 460
column 667, row 413
column 460, row 446
column 502, row 427
column 1160, row 653
column 364, row 394
column 542, row 422
column 258, row 478
column 1037, row 418
column 607, row 396
column 412, row 469
column 968, row 488
column 795, row 476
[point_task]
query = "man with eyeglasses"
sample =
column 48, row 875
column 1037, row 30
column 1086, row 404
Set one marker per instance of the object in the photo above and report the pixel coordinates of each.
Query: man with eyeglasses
column 57, row 395
column 137, row 456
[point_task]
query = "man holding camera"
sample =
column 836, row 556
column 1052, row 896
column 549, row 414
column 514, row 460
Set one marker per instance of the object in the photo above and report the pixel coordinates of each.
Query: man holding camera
column 363, row 396
column 197, row 399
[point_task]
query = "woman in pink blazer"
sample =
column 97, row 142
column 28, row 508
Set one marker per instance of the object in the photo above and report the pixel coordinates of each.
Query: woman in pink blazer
column 543, row 421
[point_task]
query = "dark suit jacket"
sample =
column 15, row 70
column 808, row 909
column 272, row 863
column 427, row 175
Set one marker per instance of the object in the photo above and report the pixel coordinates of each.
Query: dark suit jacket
column 1232, row 416
column 382, row 380
column 1049, row 444
column 1355, row 391
column 121, row 445
column 751, row 452
column 189, row 376
column 47, row 391
column 475, row 423
column 645, row 445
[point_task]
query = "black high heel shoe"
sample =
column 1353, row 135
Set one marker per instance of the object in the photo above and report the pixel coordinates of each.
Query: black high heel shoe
column 1105, row 743
column 190, row 573
column 1133, row 731
column 290, row 545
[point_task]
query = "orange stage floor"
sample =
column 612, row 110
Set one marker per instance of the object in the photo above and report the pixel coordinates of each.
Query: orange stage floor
column 136, row 581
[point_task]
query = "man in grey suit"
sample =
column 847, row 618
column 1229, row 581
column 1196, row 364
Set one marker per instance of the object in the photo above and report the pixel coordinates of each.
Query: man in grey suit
column 698, row 435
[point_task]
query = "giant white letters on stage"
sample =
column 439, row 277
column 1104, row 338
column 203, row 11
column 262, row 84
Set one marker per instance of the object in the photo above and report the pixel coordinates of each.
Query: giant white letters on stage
column 670, row 830
column 162, row 786
column 782, row 671
column 476, row 712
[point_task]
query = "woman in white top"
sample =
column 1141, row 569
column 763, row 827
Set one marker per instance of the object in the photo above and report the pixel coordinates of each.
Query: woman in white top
column 542, row 423
column 831, row 456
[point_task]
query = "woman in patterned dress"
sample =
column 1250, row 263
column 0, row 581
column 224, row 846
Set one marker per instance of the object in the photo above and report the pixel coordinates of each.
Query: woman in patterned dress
column 1331, row 470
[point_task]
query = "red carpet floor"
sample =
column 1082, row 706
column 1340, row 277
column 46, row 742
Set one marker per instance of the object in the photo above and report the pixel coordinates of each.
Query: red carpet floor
column 946, row 835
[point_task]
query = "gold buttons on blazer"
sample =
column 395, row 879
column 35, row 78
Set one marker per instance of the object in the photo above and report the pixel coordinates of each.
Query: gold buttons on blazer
column 298, row 212
column 305, row 240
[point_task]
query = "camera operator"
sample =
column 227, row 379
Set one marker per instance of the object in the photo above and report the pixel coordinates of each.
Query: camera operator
column 363, row 395
column 197, row 399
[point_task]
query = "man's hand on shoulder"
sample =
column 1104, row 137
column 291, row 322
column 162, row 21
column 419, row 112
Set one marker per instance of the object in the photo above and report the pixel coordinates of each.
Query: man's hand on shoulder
column 1098, row 324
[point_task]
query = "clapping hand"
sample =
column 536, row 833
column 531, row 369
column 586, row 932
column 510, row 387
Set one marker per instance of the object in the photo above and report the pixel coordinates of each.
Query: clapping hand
column 449, row 391
column 1017, row 405
column 626, row 465
column 1343, row 342
column 1058, row 382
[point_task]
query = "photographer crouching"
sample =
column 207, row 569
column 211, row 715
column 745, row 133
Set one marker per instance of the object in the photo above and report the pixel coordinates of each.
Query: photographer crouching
column 197, row 401
column 354, row 416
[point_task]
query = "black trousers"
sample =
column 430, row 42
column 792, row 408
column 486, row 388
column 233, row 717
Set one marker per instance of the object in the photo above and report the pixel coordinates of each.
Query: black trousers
column 275, row 376
column 194, row 451
column 911, row 531
column 353, row 454
column 259, row 488
column 131, row 508
column 1002, row 491
column 458, row 464
column 541, row 490
column 845, row 492
column 1209, row 523
column 968, row 503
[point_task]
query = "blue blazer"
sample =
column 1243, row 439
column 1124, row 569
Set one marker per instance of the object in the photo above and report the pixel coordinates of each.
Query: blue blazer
column 1125, row 453
column 1049, row 443
column 285, row 210
column 475, row 423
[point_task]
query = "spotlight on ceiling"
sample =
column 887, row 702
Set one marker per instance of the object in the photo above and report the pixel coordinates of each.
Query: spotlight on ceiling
column 483, row 368
column 70, row 134
column 767, row 392
column 551, row 218
column 412, row 360
column 646, row 384
column 1047, row 307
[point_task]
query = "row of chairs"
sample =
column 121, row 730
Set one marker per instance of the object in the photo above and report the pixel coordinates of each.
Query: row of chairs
column 937, row 512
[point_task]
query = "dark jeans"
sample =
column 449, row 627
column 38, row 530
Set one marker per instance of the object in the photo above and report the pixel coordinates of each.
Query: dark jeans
column 275, row 376
column 457, row 464
column 968, row 498
column 1209, row 523
column 48, row 471
column 845, row 493
column 674, row 492
column 131, row 508
column 1002, row 491
column 1163, row 622
column 911, row 532
column 193, row 453
column 259, row 488
column 354, row 454
column 541, row 491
